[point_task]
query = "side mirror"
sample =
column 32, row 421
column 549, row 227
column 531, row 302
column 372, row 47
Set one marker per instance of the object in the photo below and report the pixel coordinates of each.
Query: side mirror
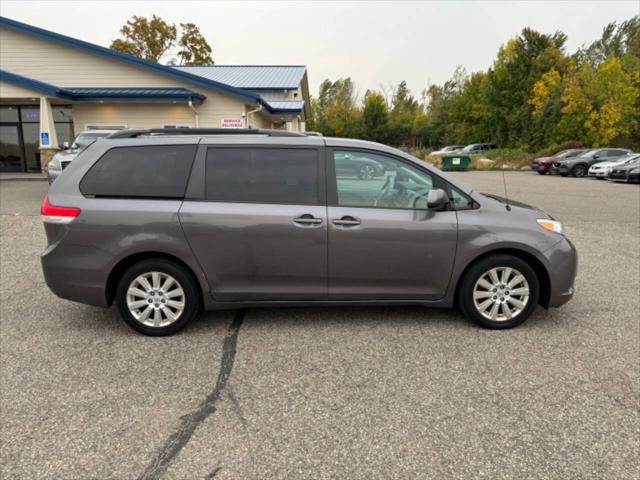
column 595, row 157
column 437, row 198
column 65, row 145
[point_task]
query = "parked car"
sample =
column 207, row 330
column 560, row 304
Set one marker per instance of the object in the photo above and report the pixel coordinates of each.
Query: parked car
column 602, row 170
column 364, row 168
column 448, row 149
column 629, row 172
column 579, row 166
column 542, row 165
column 166, row 225
column 479, row 147
column 61, row 160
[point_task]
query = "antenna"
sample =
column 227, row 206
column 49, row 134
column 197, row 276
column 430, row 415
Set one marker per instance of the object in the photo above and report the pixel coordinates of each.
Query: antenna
column 504, row 183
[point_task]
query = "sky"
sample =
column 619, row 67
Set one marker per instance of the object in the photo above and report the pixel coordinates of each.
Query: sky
column 375, row 43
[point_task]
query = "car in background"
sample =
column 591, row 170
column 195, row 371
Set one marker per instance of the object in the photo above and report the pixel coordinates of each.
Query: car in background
column 579, row 166
column 479, row 147
column 628, row 172
column 602, row 170
column 364, row 168
column 448, row 149
column 62, row 159
column 542, row 165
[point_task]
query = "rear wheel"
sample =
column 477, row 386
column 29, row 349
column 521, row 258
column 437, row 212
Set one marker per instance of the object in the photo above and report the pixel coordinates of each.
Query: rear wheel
column 157, row 297
column 499, row 292
column 366, row 172
column 579, row 171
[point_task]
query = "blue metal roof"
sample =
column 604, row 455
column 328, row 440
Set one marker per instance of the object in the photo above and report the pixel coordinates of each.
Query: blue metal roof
column 96, row 94
column 83, row 93
column 286, row 106
column 252, row 77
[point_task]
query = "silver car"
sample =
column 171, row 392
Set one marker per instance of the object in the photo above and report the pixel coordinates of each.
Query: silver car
column 61, row 159
column 165, row 223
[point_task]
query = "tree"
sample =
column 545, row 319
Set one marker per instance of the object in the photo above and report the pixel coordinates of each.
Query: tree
column 194, row 49
column 153, row 40
column 146, row 39
column 375, row 115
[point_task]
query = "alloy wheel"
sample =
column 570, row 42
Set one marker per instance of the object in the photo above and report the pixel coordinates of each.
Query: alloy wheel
column 367, row 172
column 155, row 299
column 501, row 294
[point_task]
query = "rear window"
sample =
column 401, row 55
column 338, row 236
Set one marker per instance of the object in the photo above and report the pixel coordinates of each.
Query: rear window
column 146, row 172
column 262, row 175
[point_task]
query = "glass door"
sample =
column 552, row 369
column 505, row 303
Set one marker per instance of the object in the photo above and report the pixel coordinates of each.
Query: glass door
column 11, row 153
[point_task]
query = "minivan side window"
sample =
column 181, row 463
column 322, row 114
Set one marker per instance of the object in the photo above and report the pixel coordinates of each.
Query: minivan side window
column 141, row 172
column 263, row 175
column 366, row 179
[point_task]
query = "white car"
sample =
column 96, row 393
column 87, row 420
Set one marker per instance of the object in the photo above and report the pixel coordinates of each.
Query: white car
column 602, row 170
column 448, row 149
column 63, row 158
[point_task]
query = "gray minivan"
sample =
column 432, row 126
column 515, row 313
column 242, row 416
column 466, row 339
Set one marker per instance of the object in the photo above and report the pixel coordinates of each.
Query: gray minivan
column 166, row 223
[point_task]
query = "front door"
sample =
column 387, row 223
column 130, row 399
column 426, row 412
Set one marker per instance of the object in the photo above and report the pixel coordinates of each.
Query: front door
column 11, row 154
column 260, row 232
column 384, row 244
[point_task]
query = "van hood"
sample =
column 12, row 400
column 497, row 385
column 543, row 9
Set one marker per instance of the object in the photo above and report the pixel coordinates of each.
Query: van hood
column 519, row 205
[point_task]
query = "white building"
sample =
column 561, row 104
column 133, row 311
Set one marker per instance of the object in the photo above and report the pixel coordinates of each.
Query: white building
column 53, row 86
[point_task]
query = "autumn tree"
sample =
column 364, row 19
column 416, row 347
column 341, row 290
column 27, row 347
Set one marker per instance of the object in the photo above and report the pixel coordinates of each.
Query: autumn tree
column 154, row 39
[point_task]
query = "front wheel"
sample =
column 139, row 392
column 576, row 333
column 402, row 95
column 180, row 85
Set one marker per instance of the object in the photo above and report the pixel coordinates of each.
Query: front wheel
column 499, row 292
column 157, row 297
column 541, row 173
column 579, row 171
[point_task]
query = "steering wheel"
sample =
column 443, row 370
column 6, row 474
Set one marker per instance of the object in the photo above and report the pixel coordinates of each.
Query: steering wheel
column 386, row 189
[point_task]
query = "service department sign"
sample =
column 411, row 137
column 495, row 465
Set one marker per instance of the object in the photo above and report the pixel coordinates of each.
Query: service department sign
column 231, row 123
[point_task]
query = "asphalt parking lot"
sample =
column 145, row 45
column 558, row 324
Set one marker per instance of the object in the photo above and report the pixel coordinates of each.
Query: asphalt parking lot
column 330, row 392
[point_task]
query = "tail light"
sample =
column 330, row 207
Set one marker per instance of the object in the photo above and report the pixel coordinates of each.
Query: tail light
column 55, row 214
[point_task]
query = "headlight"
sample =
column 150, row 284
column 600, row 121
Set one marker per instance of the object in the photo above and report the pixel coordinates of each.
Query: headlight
column 54, row 164
column 634, row 171
column 551, row 225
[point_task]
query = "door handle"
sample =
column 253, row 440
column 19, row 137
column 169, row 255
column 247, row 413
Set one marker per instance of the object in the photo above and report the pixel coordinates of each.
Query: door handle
column 347, row 221
column 307, row 219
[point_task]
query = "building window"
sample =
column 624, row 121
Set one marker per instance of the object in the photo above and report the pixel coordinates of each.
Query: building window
column 176, row 126
column 21, row 124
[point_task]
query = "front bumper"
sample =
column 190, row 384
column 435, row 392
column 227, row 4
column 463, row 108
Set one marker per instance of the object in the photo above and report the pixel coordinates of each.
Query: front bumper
column 52, row 175
column 562, row 268
column 540, row 167
column 599, row 173
column 560, row 169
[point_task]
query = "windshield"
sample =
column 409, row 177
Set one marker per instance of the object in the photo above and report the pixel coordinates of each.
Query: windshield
column 84, row 139
column 589, row 154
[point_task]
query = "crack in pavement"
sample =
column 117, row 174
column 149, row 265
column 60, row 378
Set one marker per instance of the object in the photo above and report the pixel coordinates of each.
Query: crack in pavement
column 190, row 422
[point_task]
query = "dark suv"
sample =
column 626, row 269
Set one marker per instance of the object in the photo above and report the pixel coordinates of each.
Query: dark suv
column 167, row 222
column 579, row 166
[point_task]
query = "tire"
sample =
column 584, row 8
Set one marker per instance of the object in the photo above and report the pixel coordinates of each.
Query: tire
column 519, row 307
column 163, row 302
column 579, row 171
column 541, row 173
column 599, row 178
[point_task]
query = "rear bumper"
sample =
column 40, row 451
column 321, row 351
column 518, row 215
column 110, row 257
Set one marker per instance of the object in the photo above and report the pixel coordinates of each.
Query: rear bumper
column 562, row 261
column 69, row 283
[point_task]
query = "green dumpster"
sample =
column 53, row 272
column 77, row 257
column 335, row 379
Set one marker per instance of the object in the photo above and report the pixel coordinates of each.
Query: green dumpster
column 456, row 163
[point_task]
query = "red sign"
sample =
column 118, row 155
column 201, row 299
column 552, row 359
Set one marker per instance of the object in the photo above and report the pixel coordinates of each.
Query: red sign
column 231, row 123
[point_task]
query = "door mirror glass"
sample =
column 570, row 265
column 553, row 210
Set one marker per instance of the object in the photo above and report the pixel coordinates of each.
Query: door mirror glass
column 437, row 198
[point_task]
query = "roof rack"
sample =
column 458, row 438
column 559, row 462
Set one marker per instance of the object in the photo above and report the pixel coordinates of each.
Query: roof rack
column 133, row 133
